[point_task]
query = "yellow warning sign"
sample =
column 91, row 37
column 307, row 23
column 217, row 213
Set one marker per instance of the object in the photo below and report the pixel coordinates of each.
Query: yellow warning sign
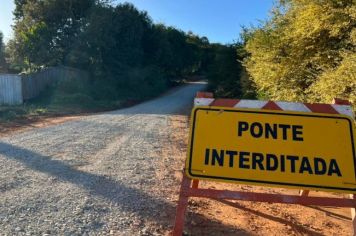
column 273, row 148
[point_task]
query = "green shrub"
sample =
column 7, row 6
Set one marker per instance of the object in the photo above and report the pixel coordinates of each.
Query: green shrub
column 305, row 52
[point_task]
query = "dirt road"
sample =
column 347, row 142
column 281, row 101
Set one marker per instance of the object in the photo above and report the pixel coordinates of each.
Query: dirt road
column 118, row 173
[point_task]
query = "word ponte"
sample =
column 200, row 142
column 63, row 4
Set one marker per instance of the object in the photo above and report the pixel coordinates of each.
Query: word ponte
column 273, row 148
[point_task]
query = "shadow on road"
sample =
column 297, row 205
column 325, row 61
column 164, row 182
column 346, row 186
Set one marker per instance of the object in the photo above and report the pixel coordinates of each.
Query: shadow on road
column 330, row 213
column 111, row 190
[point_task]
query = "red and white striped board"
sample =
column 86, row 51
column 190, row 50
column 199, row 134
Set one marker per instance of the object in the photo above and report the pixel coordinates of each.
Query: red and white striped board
column 338, row 107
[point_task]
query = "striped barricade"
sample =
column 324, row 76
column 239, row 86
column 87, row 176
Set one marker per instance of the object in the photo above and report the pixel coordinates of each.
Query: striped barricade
column 190, row 188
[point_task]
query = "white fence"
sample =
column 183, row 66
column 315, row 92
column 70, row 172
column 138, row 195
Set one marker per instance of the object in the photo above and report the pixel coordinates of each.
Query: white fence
column 11, row 89
column 14, row 89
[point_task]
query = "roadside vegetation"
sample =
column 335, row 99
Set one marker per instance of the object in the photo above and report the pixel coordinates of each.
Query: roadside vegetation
column 305, row 52
column 129, row 58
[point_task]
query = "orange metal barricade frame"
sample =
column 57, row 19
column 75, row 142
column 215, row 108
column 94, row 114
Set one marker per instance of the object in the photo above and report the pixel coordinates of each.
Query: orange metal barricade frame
column 190, row 188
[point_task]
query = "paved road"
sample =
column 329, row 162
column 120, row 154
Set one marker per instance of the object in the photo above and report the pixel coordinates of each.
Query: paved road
column 98, row 175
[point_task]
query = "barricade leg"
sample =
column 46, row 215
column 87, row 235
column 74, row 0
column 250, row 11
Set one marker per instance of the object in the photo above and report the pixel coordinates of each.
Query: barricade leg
column 182, row 206
column 195, row 183
column 304, row 193
column 353, row 216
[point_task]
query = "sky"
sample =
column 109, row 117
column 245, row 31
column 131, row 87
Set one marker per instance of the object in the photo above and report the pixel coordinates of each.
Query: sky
column 219, row 20
column 6, row 8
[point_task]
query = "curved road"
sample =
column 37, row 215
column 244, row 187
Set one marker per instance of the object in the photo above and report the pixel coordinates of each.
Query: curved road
column 97, row 175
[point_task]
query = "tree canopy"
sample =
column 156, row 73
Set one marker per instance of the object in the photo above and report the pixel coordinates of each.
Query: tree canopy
column 123, row 49
column 305, row 52
column 225, row 72
column 3, row 64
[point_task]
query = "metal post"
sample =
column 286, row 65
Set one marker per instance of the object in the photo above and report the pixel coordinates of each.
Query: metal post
column 195, row 183
column 182, row 206
column 353, row 216
column 304, row 193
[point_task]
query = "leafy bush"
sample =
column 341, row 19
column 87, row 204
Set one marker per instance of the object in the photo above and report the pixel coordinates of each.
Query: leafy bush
column 143, row 83
column 9, row 113
column 305, row 52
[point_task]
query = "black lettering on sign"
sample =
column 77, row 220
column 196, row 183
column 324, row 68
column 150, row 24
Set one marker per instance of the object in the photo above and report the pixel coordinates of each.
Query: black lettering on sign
column 319, row 166
column 272, row 162
column 273, row 131
column 334, row 168
column 244, row 159
column 256, row 130
column 283, row 164
column 218, row 158
column 231, row 154
column 257, row 159
column 297, row 132
column 284, row 130
column 305, row 166
column 292, row 160
column 242, row 126
column 207, row 156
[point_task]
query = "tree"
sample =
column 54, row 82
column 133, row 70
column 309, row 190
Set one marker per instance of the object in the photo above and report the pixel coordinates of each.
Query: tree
column 3, row 64
column 45, row 31
column 127, row 54
column 302, row 52
column 225, row 71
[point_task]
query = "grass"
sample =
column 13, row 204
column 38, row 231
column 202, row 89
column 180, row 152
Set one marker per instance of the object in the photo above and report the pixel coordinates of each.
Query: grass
column 77, row 96
column 53, row 102
column 10, row 113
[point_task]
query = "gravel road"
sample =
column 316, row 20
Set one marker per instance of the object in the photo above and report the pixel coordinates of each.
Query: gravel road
column 97, row 175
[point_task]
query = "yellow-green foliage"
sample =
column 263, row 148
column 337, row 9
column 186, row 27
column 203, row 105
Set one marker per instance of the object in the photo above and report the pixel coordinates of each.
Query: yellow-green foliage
column 338, row 83
column 306, row 51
